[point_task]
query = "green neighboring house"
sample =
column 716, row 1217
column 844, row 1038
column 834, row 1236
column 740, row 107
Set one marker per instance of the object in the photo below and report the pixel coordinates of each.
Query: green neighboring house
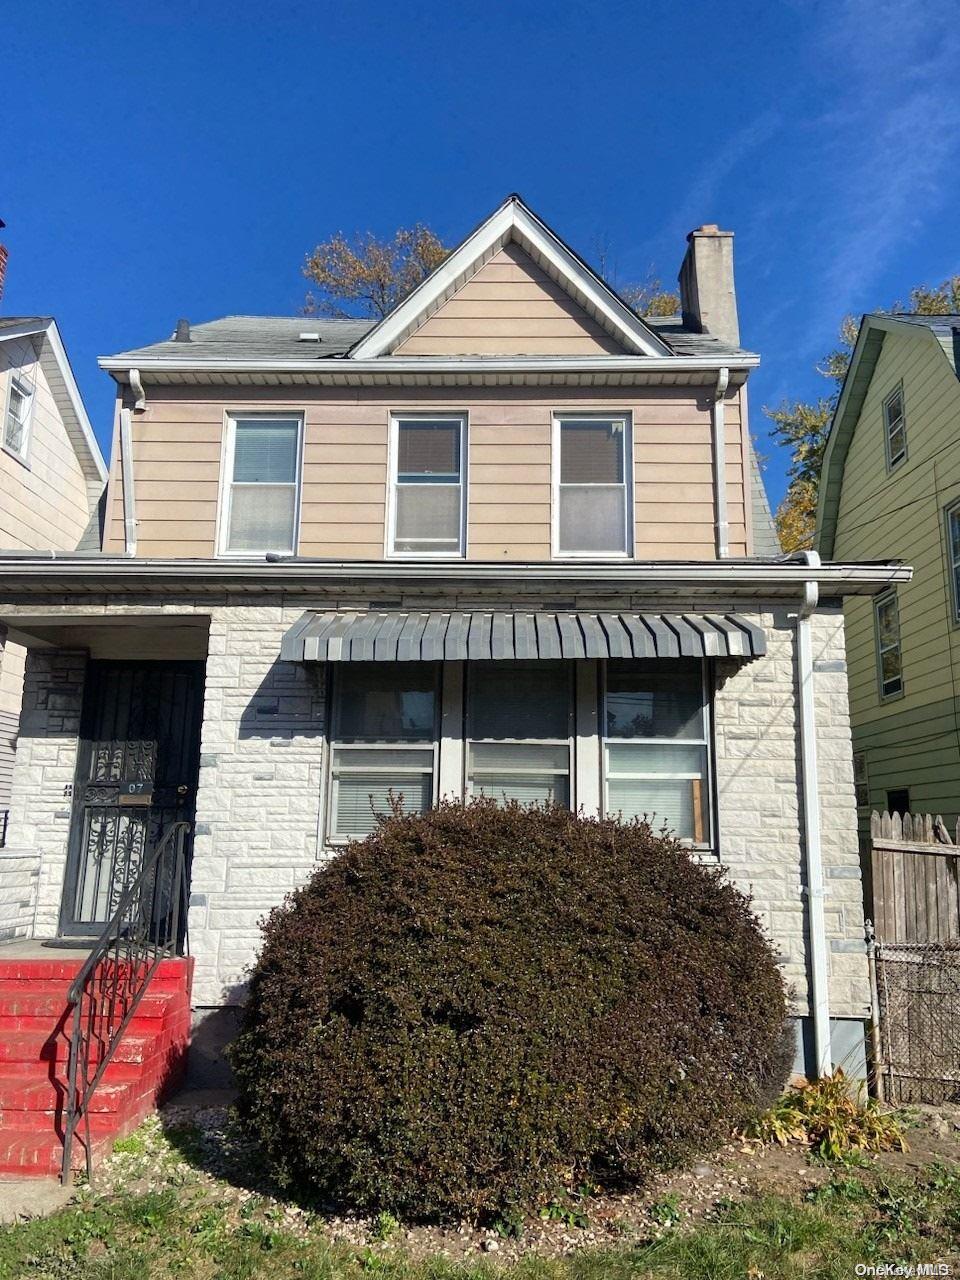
column 890, row 489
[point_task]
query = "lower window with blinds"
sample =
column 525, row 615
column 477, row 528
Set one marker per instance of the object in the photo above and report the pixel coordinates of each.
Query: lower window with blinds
column 384, row 743
column 519, row 725
column 656, row 750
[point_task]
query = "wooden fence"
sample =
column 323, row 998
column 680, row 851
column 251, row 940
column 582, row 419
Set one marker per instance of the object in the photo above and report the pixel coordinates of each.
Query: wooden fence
column 914, row 871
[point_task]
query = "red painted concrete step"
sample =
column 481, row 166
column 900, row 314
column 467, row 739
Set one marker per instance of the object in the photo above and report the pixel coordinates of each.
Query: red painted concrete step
column 34, row 1057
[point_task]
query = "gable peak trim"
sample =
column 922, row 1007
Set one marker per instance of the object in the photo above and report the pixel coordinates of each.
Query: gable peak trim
column 512, row 222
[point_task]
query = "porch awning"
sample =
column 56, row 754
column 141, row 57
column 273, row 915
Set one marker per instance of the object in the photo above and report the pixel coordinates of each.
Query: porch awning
column 478, row 636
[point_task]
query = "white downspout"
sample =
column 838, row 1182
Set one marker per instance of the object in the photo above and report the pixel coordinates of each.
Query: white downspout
column 719, row 441
column 810, row 804
column 126, row 472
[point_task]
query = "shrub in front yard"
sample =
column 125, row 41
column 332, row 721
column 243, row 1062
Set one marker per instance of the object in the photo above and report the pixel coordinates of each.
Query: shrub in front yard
column 479, row 1005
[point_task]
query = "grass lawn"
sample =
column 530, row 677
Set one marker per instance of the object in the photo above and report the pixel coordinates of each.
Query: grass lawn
column 856, row 1216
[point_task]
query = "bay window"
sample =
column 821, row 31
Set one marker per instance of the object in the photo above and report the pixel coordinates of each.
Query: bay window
column 591, row 466
column 427, row 489
column 384, row 743
column 519, row 724
column 262, row 481
column 656, row 744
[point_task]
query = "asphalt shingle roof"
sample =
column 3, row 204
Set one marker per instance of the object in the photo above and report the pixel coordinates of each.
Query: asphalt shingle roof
column 278, row 338
column 258, row 338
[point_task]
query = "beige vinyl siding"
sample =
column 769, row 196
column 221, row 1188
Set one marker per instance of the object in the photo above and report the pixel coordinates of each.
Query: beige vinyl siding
column 509, row 307
column 44, row 504
column 177, row 445
column 911, row 740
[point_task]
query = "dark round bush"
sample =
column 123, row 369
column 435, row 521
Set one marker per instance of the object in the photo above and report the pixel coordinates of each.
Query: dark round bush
column 479, row 1005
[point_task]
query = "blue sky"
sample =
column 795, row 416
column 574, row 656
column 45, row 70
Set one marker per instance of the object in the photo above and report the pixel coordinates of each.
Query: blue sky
column 179, row 159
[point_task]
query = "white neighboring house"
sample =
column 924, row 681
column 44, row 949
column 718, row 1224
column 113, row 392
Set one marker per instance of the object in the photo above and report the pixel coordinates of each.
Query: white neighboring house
column 52, row 477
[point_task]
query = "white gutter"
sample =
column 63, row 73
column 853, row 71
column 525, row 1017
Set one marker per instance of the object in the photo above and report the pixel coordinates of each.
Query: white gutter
column 346, row 366
column 778, row 577
column 126, row 472
column 719, row 440
column 810, row 806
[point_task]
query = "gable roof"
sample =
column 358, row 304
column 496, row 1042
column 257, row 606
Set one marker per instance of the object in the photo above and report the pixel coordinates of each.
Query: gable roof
column 52, row 357
column 275, row 338
column 874, row 329
column 514, row 222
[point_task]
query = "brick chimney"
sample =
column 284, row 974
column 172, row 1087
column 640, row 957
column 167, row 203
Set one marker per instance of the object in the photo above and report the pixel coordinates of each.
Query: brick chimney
column 708, row 297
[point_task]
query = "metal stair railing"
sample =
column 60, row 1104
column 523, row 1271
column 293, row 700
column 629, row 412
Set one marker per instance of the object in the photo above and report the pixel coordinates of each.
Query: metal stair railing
column 143, row 931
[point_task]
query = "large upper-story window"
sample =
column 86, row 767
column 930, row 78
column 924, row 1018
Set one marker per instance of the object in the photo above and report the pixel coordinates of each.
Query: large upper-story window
column 591, row 469
column 16, row 422
column 656, row 744
column 889, row 652
column 261, row 491
column 427, row 486
column 895, row 428
column 384, row 743
column 519, row 726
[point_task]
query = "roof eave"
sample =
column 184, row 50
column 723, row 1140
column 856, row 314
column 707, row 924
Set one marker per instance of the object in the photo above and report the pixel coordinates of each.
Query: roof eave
column 760, row 578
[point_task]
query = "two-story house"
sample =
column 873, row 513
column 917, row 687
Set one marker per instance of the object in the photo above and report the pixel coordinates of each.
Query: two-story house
column 52, row 476
column 500, row 542
column 890, row 489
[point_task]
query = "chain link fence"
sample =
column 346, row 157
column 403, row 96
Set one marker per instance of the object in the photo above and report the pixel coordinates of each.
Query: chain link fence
column 918, row 997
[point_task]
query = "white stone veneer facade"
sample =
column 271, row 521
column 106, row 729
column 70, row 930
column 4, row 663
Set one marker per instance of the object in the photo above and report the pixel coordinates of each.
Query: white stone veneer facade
column 261, row 781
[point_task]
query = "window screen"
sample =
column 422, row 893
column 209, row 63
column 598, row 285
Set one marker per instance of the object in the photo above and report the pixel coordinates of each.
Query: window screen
column 263, row 487
column 953, row 554
column 385, row 718
column 428, row 487
column 519, row 722
column 593, row 490
column 656, row 749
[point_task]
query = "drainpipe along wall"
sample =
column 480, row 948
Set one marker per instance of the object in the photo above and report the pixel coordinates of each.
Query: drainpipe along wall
column 719, row 440
column 126, row 467
column 810, row 807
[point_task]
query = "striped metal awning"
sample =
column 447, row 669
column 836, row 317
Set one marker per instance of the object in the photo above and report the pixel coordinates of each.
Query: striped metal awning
column 478, row 636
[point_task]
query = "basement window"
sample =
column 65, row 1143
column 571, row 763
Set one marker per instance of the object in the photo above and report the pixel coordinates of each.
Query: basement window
column 895, row 426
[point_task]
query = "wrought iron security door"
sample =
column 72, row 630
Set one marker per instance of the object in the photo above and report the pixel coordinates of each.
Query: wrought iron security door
column 136, row 774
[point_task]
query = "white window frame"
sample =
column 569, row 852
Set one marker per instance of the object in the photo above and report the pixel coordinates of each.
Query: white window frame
column 432, row 415
column 18, row 382
column 880, row 602
column 951, row 514
column 333, row 838
column 599, row 415
column 894, row 462
column 569, row 742
column 231, row 417
column 706, row 706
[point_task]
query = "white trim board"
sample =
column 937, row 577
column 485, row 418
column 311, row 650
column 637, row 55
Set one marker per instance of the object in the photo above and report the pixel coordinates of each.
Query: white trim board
column 512, row 221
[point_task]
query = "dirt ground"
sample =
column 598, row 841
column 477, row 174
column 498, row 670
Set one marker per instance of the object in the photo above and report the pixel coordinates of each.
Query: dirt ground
column 196, row 1142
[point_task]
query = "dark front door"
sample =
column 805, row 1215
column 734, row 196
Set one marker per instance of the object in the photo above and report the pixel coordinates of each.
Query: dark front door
column 136, row 773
